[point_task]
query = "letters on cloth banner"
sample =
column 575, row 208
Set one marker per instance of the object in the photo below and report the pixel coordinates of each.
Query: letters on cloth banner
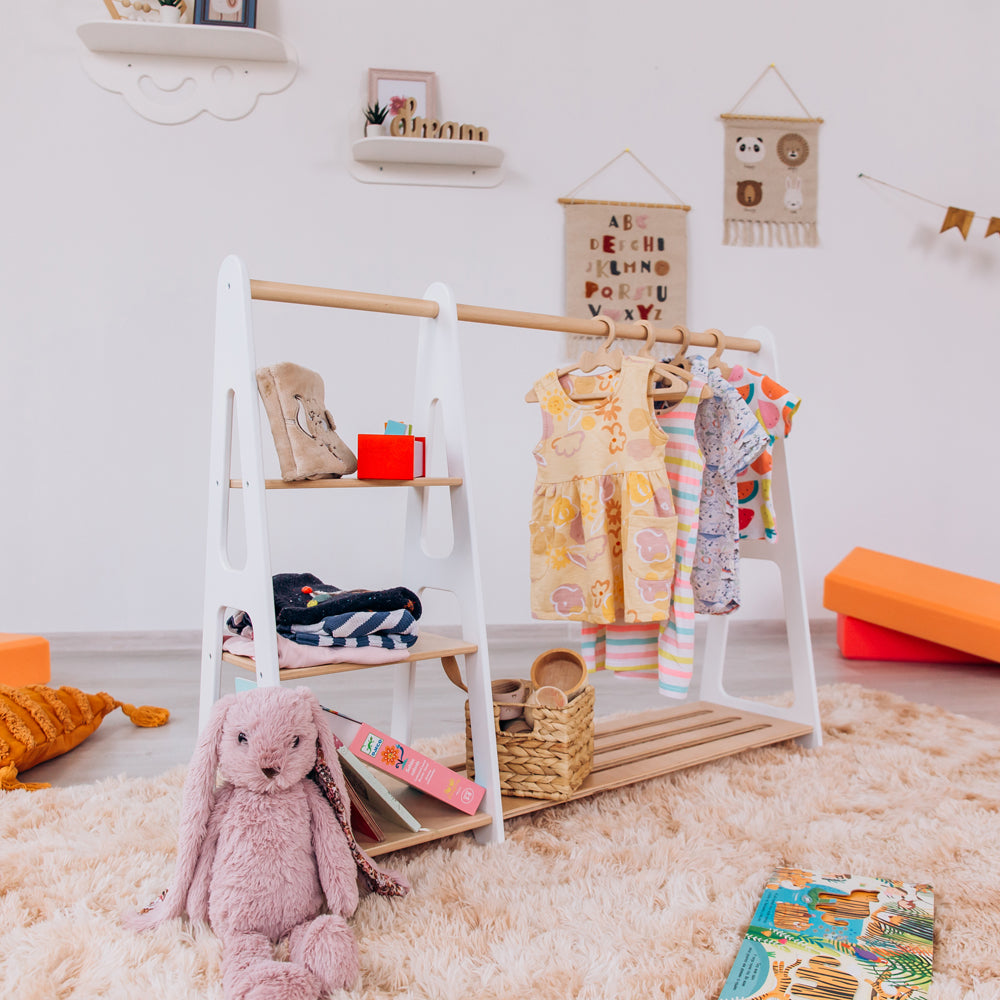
column 626, row 261
column 771, row 181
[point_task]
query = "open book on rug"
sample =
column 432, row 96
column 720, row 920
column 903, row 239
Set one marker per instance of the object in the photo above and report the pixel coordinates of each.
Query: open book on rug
column 836, row 936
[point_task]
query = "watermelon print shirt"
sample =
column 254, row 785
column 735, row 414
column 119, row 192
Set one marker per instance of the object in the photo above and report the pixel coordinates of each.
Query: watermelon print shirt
column 774, row 406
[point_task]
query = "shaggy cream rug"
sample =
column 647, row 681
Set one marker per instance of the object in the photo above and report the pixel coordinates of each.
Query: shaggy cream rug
column 636, row 893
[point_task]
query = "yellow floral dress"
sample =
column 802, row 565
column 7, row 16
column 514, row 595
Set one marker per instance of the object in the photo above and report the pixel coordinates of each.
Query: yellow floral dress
column 603, row 526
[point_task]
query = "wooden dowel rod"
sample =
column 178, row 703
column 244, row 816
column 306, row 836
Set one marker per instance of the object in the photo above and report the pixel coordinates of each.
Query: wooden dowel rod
column 310, row 295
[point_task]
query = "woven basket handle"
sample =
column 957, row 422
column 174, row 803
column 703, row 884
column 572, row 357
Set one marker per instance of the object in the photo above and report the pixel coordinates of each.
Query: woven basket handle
column 450, row 664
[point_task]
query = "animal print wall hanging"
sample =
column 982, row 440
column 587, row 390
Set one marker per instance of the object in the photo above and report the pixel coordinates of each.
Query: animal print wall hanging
column 770, row 177
column 626, row 260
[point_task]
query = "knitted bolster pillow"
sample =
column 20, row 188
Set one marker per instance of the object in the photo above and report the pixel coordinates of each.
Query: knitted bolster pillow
column 38, row 723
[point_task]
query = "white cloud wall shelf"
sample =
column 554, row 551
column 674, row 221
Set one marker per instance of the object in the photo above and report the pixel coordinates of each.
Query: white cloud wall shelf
column 436, row 162
column 170, row 73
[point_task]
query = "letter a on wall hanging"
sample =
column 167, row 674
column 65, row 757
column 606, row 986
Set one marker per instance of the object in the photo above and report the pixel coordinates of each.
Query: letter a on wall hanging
column 626, row 260
column 771, row 177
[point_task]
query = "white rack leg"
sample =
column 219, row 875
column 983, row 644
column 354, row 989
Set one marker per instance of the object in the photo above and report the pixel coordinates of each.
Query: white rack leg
column 439, row 385
column 785, row 554
column 234, row 392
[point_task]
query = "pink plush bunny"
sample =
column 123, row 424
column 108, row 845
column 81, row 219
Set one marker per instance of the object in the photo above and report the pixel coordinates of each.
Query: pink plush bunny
column 264, row 857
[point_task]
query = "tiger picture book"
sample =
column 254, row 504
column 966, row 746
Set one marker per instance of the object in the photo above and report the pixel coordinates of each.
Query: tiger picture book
column 840, row 937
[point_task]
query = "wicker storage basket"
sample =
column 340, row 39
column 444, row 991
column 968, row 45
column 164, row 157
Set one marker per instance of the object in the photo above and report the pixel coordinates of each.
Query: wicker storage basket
column 551, row 761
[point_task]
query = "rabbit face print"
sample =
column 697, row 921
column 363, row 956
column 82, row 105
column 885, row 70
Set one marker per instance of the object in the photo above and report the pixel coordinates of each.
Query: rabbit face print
column 793, row 193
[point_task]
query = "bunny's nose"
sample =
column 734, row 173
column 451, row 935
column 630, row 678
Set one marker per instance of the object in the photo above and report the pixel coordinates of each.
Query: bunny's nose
column 270, row 772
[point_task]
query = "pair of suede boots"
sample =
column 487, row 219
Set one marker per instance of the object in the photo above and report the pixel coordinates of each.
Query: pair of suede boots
column 304, row 433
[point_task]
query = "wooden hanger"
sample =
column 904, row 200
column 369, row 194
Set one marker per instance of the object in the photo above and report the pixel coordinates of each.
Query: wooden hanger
column 680, row 377
column 680, row 359
column 715, row 360
column 602, row 357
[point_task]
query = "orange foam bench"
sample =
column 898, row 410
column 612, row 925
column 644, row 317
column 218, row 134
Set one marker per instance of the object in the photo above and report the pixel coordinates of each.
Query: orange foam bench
column 858, row 640
column 24, row 659
column 952, row 609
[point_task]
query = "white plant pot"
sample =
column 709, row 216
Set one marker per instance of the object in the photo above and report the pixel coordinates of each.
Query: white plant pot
column 170, row 15
column 372, row 129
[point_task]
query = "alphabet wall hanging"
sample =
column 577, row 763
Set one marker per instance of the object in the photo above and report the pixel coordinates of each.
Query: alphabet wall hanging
column 626, row 260
column 770, row 176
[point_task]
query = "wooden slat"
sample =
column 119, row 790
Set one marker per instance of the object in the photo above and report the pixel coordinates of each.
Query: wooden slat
column 347, row 484
column 429, row 646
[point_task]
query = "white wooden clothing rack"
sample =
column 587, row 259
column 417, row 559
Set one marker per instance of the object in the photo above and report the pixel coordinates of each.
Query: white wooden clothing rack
column 648, row 744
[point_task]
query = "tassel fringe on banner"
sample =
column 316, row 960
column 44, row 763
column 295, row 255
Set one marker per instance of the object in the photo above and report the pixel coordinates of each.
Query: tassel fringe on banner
column 760, row 233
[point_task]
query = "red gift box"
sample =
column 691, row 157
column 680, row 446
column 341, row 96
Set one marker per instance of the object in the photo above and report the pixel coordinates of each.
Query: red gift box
column 391, row 456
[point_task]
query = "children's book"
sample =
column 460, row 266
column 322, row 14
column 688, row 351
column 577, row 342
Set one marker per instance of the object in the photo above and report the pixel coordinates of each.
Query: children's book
column 396, row 759
column 376, row 796
column 363, row 823
column 840, row 937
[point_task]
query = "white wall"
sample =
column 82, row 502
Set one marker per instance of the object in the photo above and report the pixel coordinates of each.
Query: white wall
column 114, row 227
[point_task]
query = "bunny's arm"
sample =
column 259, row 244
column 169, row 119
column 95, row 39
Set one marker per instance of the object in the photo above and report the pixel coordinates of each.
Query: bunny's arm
column 201, row 881
column 337, row 870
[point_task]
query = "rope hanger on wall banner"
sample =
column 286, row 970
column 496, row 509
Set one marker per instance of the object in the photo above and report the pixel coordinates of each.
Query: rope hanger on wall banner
column 771, row 176
column 626, row 260
column 954, row 218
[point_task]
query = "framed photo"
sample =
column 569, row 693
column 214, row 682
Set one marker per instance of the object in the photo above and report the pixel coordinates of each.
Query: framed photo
column 391, row 88
column 235, row 13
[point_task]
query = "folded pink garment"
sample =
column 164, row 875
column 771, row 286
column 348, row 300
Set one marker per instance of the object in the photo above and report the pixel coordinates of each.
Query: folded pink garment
column 292, row 654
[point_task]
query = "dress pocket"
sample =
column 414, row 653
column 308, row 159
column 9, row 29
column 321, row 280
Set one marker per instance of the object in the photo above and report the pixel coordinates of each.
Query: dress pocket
column 648, row 566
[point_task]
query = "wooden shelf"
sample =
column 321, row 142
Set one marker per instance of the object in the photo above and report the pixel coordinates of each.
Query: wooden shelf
column 202, row 41
column 346, row 484
column 171, row 73
column 626, row 750
column 650, row 744
column 443, row 152
column 436, row 162
column 429, row 646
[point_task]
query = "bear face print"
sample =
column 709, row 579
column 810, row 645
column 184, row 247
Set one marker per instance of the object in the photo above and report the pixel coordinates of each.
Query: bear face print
column 749, row 193
column 793, row 150
column 749, row 149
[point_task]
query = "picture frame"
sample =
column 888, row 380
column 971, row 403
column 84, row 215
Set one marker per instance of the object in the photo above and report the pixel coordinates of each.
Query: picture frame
column 228, row 13
column 391, row 87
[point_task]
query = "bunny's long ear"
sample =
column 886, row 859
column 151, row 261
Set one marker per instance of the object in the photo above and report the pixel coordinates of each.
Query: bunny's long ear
column 327, row 743
column 196, row 810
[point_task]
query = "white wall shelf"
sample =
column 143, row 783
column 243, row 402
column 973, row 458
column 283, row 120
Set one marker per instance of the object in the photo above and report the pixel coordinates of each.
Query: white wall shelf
column 170, row 73
column 436, row 162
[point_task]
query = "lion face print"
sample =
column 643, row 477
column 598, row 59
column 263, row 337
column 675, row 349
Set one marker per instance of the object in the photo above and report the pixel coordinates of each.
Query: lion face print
column 792, row 149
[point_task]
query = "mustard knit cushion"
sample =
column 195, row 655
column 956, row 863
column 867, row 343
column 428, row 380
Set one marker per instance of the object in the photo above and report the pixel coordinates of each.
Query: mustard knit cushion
column 38, row 723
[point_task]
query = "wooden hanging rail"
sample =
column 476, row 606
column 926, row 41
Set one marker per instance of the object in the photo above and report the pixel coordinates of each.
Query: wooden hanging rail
column 310, row 295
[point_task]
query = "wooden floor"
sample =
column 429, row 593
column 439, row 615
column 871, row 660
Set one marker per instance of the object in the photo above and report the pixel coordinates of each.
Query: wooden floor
column 163, row 670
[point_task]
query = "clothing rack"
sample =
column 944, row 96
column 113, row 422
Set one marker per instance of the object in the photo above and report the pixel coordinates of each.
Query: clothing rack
column 647, row 744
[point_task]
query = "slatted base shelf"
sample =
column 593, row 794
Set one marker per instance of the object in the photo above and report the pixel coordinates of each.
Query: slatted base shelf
column 627, row 749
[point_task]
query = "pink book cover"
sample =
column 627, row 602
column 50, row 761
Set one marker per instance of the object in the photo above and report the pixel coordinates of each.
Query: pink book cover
column 405, row 764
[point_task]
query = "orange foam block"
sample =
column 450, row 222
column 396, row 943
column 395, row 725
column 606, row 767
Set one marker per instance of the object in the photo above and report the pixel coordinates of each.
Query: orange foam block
column 858, row 640
column 24, row 659
column 955, row 610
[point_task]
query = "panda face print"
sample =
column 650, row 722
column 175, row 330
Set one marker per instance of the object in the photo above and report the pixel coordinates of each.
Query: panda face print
column 749, row 149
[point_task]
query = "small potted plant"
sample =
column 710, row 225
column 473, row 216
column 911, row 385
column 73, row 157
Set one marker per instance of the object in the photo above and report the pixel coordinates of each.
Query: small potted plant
column 171, row 10
column 375, row 115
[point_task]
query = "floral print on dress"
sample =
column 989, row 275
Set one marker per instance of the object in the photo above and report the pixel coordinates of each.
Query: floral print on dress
column 603, row 526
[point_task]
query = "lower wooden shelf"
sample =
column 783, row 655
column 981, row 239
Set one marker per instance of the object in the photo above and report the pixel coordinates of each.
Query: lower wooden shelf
column 429, row 646
column 627, row 750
